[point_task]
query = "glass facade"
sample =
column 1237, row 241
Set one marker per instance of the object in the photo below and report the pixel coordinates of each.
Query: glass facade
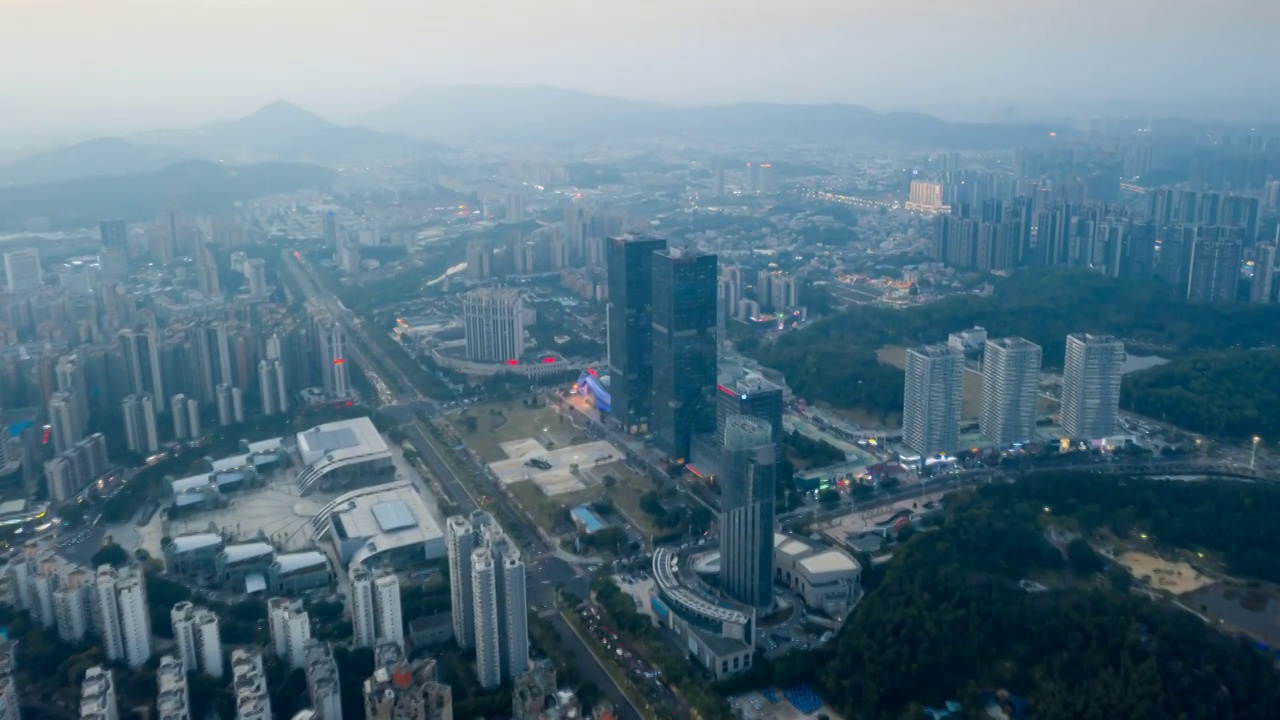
column 684, row 349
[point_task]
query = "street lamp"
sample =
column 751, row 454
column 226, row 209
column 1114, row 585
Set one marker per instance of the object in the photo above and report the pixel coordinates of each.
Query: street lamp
column 1253, row 455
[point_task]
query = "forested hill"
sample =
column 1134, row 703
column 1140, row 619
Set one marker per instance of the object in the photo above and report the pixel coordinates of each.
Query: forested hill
column 834, row 359
column 1232, row 394
column 949, row 620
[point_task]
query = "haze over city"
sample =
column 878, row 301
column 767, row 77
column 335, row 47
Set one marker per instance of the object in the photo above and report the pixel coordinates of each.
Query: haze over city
column 76, row 66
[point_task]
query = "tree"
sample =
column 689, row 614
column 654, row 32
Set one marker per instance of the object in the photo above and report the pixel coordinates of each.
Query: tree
column 110, row 554
column 1082, row 557
column 828, row 497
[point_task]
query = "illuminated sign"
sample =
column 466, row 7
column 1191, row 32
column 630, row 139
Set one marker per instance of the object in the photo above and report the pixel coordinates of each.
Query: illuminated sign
column 338, row 361
column 513, row 362
column 548, row 359
column 727, row 391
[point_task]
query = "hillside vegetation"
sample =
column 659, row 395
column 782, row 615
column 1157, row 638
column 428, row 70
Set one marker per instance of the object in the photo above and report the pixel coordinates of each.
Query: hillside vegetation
column 949, row 620
column 1232, row 394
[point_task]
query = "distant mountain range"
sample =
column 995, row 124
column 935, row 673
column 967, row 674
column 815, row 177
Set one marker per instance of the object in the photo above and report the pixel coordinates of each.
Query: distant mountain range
column 190, row 186
column 278, row 132
column 467, row 113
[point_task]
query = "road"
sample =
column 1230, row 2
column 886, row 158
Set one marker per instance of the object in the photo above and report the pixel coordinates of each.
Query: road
column 545, row 572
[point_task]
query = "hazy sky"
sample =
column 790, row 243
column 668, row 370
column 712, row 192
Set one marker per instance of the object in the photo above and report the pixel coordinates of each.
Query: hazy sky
column 115, row 65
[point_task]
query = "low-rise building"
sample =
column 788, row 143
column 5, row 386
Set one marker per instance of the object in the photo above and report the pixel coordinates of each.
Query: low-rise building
column 829, row 580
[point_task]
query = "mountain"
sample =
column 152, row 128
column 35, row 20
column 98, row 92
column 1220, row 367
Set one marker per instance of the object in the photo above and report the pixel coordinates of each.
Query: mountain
column 103, row 156
column 283, row 131
column 192, row 187
column 554, row 115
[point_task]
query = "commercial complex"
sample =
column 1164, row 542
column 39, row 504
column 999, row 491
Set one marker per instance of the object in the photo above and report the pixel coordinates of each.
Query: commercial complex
column 1010, row 390
column 388, row 524
column 488, row 597
column 630, row 322
column 747, row 486
column 684, row 348
column 343, row 453
column 1091, row 386
column 932, row 397
column 494, row 323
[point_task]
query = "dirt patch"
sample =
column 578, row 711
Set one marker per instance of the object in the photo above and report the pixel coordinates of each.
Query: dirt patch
column 1177, row 577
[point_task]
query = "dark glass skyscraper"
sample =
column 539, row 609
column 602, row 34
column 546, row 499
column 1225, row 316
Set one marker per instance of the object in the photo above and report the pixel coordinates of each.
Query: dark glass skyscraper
column 684, row 348
column 629, row 266
column 747, row 477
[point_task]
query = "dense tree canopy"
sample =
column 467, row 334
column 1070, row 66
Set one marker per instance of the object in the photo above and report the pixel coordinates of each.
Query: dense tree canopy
column 1233, row 394
column 949, row 619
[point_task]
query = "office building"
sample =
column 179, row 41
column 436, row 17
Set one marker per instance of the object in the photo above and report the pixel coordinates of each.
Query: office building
column 1264, row 272
column 1091, row 386
column 249, row 681
column 743, row 392
column 1214, row 275
column 322, row 680
column 141, row 434
column 22, row 270
column 932, row 398
column 400, row 689
column 684, row 349
column 629, row 268
column 290, row 630
column 172, row 701
column 1010, row 391
column 98, row 695
column 747, row 480
column 494, row 323
column 489, row 607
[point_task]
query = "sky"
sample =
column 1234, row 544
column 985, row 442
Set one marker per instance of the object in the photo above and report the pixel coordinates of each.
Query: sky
column 98, row 66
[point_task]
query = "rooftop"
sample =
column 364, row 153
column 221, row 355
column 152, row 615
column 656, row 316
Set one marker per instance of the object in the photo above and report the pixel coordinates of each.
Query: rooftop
column 293, row 562
column 384, row 516
column 187, row 543
column 342, row 439
column 829, row 561
column 246, row 551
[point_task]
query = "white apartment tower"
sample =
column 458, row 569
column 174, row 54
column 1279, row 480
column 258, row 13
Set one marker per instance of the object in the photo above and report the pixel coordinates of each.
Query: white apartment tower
column 364, row 624
column 494, row 324
column 108, row 612
column 488, row 594
column 290, row 630
column 1091, row 385
column 208, row 642
column 73, row 606
column 98, row 695
column 1010, row 390
column 140, row 430
column 135, row 619
column 484, row 610
column 386, row 601
column 460, row 535
column 172, row 701
column 322, row 680
column 250, row 684
column 9, row 709
column 22, row 270
column 932, row 399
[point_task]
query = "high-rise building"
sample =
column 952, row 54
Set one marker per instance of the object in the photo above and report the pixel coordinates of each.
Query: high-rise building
column 106, row 607
column 44, row 583
column 290, row 630
column 404, row 690
column 333, row 358
column 743, row 392
column 330, row 223
column 489, row 607
column 98, row 695
column 142, row 361
column 747, row 478
column 172, row 701
column 925, row 196
column 1091, row 385
column 684, row 348
column 178, row 409
column 1010, row 390
column 73, row 606
column 250, row 684
column 494, row 324
column 1214, row 275
column 199, row 641
column 135, row 618
column 9, row 708
column 630, row 329
column 386, row 600
column 778, row 289
column 22, row 270
column 141, row 433
column 66, row 421
column 322, row 680
column 932, row 397
column 364, row 621
column 255, row 273
column 1264, row 272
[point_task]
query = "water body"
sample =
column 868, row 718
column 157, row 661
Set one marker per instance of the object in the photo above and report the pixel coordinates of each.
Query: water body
column 1254, row 611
